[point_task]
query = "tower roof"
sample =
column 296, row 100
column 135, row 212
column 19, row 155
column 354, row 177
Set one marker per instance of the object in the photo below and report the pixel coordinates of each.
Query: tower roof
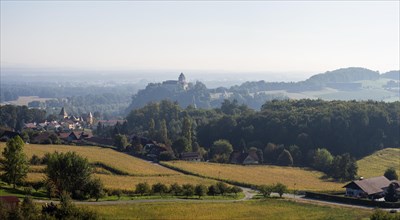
column 63, row 112
column 182, row 78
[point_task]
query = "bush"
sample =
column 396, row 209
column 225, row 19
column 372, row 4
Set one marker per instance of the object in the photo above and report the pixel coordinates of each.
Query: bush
column 280, row 189
column 175, row 189
column 213, row 190
column 187, row 190
column 223, row 188
column 166, row 156
column 266, row 190
column 159, row 188
column 200, row 190
column 35, row 160
column 391, row 174
column 142, row 188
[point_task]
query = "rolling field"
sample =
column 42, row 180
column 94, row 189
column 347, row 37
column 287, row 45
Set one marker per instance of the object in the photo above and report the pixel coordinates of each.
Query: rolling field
column 268, row 209
column 376, row 163
column 138, row 170
column 293, row 177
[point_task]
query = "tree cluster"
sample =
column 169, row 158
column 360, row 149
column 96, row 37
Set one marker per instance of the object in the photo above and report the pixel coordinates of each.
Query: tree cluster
column 186, row 190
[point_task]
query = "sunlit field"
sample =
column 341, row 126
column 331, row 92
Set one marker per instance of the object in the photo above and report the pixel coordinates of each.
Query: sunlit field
column 268, row 209
column 138, row 170
column 295, row 178
column 376, row 163
column 112, row 158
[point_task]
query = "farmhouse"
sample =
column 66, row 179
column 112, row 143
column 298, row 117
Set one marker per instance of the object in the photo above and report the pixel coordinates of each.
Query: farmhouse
column 238, row 157
column 368, row 188
column 191, row 156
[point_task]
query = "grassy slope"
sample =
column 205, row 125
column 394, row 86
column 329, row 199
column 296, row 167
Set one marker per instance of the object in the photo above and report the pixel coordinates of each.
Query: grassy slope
column 376, row 163
column 269, row 209
column 139, row 170
column 262, row 174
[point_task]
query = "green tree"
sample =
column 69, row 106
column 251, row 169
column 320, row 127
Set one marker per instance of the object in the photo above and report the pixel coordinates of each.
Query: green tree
column 121, row 142
column 222, row 187
column 176, row 189
column 187, row 190
column 142, row 188
column 200, row 190
column 285, row 158
column 159, row 188
column 213, row 190
column 164, row 132
column 14, row 163
column 280, row 189
column 391, row 174
column 222, row 149
column 322, row 160
column 181, row 145
column 69, row 172
column 344, row 167
column 236, row 190
column 187, row 131
column 95, row 188
column 265, row 190
column 391, row 195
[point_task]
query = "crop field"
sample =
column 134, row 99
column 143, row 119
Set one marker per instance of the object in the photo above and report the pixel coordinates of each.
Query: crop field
column 112, row 158
column 138, row 170
column 376, row 163
column 267, row 209
column 295, row 178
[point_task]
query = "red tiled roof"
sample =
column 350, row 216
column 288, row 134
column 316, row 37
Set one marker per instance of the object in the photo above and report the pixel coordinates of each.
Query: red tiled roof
column 9, row 199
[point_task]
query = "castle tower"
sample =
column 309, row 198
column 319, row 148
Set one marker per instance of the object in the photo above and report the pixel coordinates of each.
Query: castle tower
column 182, row 79
column 63, row 114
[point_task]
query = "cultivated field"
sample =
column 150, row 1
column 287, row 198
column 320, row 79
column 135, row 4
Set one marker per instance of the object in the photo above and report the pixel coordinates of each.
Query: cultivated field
column 268, row 209
column 376, row 163
column 24, row 100
column 138, row 170
column 293, row 177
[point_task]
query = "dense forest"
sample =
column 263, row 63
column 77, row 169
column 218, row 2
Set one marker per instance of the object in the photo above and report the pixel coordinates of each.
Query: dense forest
column 358, row 128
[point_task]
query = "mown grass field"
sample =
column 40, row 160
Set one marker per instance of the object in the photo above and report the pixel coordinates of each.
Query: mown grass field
column 267, row 209
column 138, row 170
column 294, row 177
column 376, row 163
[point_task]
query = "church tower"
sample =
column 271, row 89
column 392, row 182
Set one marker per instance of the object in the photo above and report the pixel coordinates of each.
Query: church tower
column 90, row 119
column 63, row 114
column 182, row 79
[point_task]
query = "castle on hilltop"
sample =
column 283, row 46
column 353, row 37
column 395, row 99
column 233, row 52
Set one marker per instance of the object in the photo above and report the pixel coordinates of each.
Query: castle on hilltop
column 172, row 84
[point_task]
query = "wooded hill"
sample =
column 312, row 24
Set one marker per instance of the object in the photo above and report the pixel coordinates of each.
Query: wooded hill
column 341, row 84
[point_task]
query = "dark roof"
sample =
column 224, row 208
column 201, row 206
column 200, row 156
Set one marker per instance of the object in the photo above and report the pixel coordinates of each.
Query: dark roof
column 370, row 186
column 9, row 199
column 191, row 155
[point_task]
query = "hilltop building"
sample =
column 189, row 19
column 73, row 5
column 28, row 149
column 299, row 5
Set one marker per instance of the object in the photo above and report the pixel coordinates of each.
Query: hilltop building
column 174, row 84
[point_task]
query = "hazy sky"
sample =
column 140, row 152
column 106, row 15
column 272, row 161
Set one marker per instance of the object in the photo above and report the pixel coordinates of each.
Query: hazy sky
column 192, row 35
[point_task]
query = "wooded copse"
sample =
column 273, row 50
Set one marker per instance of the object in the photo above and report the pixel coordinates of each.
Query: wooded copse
column 300, row 126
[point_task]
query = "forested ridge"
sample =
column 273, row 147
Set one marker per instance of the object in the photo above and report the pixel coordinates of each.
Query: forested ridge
column 358, row 128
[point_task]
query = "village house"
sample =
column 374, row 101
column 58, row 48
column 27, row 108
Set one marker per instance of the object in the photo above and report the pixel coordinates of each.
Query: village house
column 191, row 156
column 372, row 188
column 238, row 157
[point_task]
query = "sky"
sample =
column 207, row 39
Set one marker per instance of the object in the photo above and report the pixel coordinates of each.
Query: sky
column 226, row 36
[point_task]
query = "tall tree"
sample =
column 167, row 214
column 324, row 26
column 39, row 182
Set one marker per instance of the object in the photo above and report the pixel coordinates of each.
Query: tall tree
column 69, row 172
column 14, row 163
column 163, row 132
column 187, row 130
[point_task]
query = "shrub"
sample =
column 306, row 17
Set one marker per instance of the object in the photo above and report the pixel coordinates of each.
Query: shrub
column 142, row 188
column 188, row 190
column 266, row 190
column 200, row 190
column 175, row 189
column 159, row 188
